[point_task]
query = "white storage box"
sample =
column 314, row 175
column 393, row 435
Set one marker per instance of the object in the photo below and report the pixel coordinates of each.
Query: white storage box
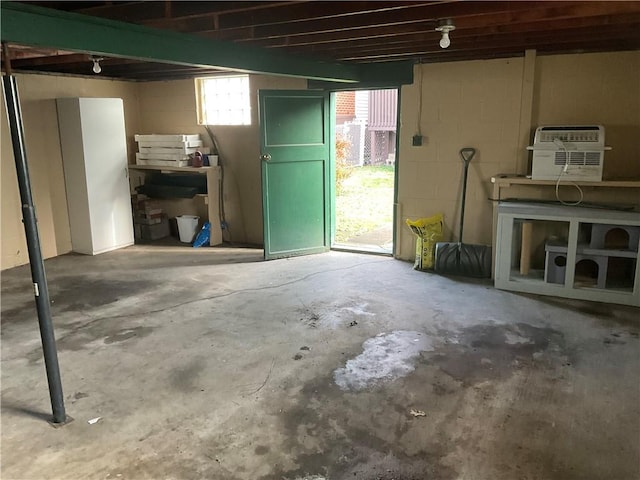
column 175, row 150
column 166, row 138
column 170, row 144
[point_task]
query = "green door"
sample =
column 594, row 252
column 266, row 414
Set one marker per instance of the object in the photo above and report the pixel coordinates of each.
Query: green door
column 295, row 148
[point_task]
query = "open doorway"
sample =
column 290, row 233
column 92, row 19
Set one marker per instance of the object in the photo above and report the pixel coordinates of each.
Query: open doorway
column 365, row 161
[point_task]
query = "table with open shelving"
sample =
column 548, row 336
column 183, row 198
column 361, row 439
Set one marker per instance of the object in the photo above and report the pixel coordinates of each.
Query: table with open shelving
column 211, row 197
column 523, row 187
column 580, row 252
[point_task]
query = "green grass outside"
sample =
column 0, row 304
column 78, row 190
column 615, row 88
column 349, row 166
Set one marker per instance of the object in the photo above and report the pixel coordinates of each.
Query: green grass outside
column 365, row 201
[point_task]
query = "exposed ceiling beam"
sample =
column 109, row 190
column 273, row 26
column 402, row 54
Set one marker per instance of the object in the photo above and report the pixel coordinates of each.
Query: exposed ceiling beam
column 31, row 25
column 468, row 39
column 464, row 27
column 611, row 43
column 150, row 11
column 286, row 12
column 473, row 14
column 367, row 35
column 424, row 14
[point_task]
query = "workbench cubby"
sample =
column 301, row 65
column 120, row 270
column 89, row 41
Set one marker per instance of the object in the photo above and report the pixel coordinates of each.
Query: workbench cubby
column 573, row 252
column 205, row 205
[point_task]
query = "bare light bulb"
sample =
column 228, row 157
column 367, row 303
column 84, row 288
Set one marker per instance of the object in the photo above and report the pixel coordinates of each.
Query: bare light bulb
column 445, row 41
column 445, row 26
column 96, row 65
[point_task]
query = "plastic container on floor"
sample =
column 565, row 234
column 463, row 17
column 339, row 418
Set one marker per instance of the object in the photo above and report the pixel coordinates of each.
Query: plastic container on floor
column 187, row 227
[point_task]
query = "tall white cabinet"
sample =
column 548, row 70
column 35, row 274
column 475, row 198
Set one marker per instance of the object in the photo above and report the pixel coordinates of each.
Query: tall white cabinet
column 94, row 155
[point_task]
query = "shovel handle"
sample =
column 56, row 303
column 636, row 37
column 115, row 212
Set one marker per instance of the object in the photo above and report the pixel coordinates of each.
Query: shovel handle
column 466, row 153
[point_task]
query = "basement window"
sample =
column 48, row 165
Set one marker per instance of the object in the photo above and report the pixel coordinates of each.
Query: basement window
column 223, row 100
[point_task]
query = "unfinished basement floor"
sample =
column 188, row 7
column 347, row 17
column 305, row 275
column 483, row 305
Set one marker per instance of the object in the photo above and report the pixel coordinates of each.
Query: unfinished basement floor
column 212, row 364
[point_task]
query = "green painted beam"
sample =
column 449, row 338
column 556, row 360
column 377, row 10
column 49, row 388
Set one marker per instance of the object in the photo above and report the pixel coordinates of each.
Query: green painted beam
column 31, row 25
column 372, row 76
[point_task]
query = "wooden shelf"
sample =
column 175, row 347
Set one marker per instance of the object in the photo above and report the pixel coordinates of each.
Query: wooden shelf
column 211, row 198
column 172, row 169
column 507, row 180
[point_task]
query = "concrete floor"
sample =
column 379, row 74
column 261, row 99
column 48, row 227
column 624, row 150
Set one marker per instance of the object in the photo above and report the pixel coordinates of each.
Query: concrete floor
column 212, row 364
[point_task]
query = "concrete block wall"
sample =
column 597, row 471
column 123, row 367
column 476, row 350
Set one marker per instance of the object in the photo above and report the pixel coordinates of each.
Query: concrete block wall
column 465, row 104
column 599, row 88
column 495, row 106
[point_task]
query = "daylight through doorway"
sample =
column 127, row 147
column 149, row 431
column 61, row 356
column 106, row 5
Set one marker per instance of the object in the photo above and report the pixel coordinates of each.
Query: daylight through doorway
column 366, row 123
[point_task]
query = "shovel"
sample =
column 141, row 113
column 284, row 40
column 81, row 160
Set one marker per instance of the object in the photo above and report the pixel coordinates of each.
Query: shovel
column 459, row 258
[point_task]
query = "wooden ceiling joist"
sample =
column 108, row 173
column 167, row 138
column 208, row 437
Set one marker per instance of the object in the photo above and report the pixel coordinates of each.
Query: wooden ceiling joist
column 31, row 25
column 341, row 35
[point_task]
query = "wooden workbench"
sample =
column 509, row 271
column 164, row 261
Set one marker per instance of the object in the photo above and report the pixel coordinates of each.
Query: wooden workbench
column 213, row 197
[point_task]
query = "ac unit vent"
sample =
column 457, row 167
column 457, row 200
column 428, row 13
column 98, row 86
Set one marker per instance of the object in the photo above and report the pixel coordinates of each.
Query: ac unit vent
column 561, row 158
column 593, row 158
column 578, row 158
column 569, row 137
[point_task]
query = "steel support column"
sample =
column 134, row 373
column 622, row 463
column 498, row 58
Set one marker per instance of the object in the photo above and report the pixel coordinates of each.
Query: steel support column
column 36, row 262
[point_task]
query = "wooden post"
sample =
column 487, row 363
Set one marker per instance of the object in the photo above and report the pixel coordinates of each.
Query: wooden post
column 525, row 248
column 213, row 204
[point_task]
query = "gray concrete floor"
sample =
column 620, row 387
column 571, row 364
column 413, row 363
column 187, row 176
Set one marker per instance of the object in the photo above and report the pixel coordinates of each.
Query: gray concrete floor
column 209, row 363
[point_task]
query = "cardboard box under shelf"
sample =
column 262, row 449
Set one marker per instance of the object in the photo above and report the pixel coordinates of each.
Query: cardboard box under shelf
column 152, row 232
column 143, row 218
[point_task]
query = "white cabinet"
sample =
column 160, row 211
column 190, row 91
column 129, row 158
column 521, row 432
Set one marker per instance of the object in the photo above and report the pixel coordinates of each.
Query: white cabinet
column 94, row 155
column 573, row 252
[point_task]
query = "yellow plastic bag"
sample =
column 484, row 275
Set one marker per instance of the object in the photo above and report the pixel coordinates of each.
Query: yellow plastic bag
column 428, row 232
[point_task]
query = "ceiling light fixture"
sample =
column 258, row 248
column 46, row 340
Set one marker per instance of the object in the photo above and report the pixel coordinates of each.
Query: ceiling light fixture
column 445, row 26
column 96, row 64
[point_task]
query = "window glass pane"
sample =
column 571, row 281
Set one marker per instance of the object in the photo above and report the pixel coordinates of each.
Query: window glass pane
column 225, row 100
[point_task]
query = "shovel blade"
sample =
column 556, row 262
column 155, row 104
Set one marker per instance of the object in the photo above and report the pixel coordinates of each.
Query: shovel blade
column 462, row 259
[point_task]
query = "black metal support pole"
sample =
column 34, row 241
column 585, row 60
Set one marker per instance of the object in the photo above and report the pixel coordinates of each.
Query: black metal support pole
column 33, row 246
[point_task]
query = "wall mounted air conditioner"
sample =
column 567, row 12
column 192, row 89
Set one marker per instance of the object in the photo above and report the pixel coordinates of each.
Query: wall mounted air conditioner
column 569, row 152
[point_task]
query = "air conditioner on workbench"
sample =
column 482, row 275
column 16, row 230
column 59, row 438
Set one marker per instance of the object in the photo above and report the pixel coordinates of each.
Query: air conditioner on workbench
column 569, row 152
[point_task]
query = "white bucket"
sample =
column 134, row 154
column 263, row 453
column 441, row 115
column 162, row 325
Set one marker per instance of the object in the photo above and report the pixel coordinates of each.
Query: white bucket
column 187, row 227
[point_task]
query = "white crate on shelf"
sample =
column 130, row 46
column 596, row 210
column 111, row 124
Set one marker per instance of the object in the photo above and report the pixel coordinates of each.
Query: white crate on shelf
column 166, row 138
column 174, row 150
column 171, row 144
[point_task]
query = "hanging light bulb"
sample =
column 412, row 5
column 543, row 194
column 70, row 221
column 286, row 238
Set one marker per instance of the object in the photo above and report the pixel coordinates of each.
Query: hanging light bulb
column 445, row 41
column 445, row 26
column 96, row 64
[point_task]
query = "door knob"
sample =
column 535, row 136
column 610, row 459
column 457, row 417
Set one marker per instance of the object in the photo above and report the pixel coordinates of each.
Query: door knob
column 265, row 157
